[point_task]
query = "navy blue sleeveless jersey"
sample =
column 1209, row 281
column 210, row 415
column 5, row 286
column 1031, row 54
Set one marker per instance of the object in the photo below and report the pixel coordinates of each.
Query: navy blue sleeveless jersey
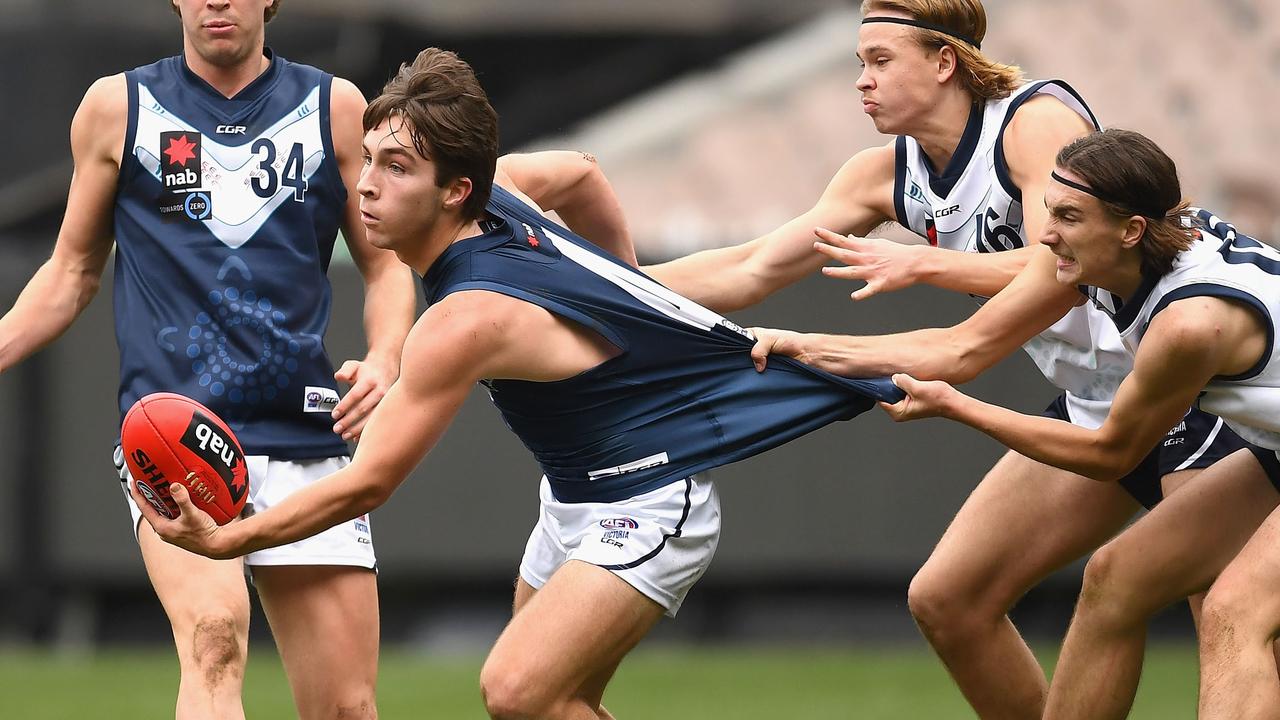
column 681, row 397
column 225, row 219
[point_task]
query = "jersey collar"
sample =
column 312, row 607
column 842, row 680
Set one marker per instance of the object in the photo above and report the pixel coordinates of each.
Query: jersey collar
column 250, row 92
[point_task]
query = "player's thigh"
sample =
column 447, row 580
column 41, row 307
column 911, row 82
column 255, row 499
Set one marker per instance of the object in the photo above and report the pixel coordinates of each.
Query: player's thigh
column 325, row 620
column 524, row 593
column 1245, row 592
column 577, row 626
column 1022, row 522
column 198, row 594
column 592, row 690
column 1184, row 542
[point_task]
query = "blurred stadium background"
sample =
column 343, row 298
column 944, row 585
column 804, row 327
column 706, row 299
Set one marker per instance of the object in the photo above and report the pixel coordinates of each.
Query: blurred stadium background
column 716, row 120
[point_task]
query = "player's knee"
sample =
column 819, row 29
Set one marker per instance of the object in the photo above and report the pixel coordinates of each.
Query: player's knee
column 1110, row 591
column 361, row 707
column 511, row 693
column 934, row 604
column 216, row 648
column 1228, row 609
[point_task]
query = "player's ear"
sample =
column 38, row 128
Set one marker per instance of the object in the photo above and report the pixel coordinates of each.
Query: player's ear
column 459, row 189
column 1134, row 228
column 948, row 63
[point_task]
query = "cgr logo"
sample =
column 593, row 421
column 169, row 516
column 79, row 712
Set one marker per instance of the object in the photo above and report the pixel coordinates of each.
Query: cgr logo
column 230, row 129
column 946, row 211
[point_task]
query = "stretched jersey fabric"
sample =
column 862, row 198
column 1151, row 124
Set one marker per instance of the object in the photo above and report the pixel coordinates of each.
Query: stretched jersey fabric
column 973, row 206
column 681, row 397
column 225, row 220
column 1227, row 264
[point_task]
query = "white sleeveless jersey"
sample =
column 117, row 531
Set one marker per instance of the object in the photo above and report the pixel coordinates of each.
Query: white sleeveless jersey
column 1226, row 264
column 973, row 206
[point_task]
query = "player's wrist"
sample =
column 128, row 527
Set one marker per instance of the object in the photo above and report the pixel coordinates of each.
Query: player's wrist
column 228, row 541
column 921, row 264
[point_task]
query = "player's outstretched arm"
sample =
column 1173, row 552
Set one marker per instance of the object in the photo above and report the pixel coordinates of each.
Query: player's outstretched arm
column 1184, row 348
column 1030, row 304
column 573, row 186
column 450, row 348
column 1031, row 142
column 69, row 279
column 857, row 200
column 390, row 297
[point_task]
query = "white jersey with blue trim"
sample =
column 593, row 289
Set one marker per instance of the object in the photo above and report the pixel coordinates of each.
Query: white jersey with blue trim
column 974, row 206
column 1221, row 263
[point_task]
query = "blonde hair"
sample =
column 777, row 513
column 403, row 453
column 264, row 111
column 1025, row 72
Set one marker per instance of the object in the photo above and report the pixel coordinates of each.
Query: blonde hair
column 983, row 77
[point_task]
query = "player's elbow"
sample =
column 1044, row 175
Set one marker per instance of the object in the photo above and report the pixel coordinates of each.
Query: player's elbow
column 957, row 360
column 1112, row 459
column 371, row 492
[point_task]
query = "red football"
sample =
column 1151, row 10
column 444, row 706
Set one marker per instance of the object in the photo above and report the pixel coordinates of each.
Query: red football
column 171, row 438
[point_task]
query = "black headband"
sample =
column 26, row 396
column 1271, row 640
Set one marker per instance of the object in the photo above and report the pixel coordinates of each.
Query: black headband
column 925, row 26
column 1104, row 198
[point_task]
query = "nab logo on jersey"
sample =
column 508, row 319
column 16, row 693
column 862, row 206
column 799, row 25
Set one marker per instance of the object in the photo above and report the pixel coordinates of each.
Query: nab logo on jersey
column 230, row 129
column 180, row 169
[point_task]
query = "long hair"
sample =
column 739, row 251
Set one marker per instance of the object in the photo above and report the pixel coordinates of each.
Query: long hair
column 1138, row 178
column 983, row 77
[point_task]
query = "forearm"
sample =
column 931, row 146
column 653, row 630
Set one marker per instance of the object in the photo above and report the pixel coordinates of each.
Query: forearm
column 1047, row 440
column 594, row 212
column 976, row 273
column 390, row 304
column 335, row 499
column 929, row 354
column 50, row 303
column 722, row 279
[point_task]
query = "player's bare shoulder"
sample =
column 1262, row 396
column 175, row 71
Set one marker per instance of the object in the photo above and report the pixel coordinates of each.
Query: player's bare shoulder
column 865, row 180
column 1038, row 128
column 100, row 123
column 346, row 116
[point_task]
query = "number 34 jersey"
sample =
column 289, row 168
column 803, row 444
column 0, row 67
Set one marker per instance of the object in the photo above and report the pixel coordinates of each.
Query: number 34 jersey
column 226, row 214
column 1225, row 264
column 974, row 206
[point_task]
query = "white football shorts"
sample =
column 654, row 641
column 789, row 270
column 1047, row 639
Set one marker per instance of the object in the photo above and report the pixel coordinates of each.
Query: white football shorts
column 271, row 481
column 659, row 542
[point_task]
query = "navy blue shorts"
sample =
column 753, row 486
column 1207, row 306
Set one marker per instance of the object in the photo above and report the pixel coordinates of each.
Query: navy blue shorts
column 1196, row 442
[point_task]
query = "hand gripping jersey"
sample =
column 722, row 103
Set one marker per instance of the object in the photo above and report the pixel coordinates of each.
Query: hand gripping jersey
column 973, row 206
column 1221, row 263
column 681, row 397
column 225, row 219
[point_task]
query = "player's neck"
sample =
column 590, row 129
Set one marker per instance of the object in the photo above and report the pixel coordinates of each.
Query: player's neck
column 440, row 240
column 1125, row 277
column 940, row 131
column 229, row 79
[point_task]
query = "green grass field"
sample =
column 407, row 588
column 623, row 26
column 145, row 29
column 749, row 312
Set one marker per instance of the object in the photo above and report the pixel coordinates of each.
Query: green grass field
column 665, row 683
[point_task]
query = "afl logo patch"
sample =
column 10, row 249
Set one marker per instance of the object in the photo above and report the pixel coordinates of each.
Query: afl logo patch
column 619, row 523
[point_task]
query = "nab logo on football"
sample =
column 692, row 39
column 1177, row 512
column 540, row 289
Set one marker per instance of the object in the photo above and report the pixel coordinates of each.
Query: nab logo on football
column 181, row 166
column 213, row 446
